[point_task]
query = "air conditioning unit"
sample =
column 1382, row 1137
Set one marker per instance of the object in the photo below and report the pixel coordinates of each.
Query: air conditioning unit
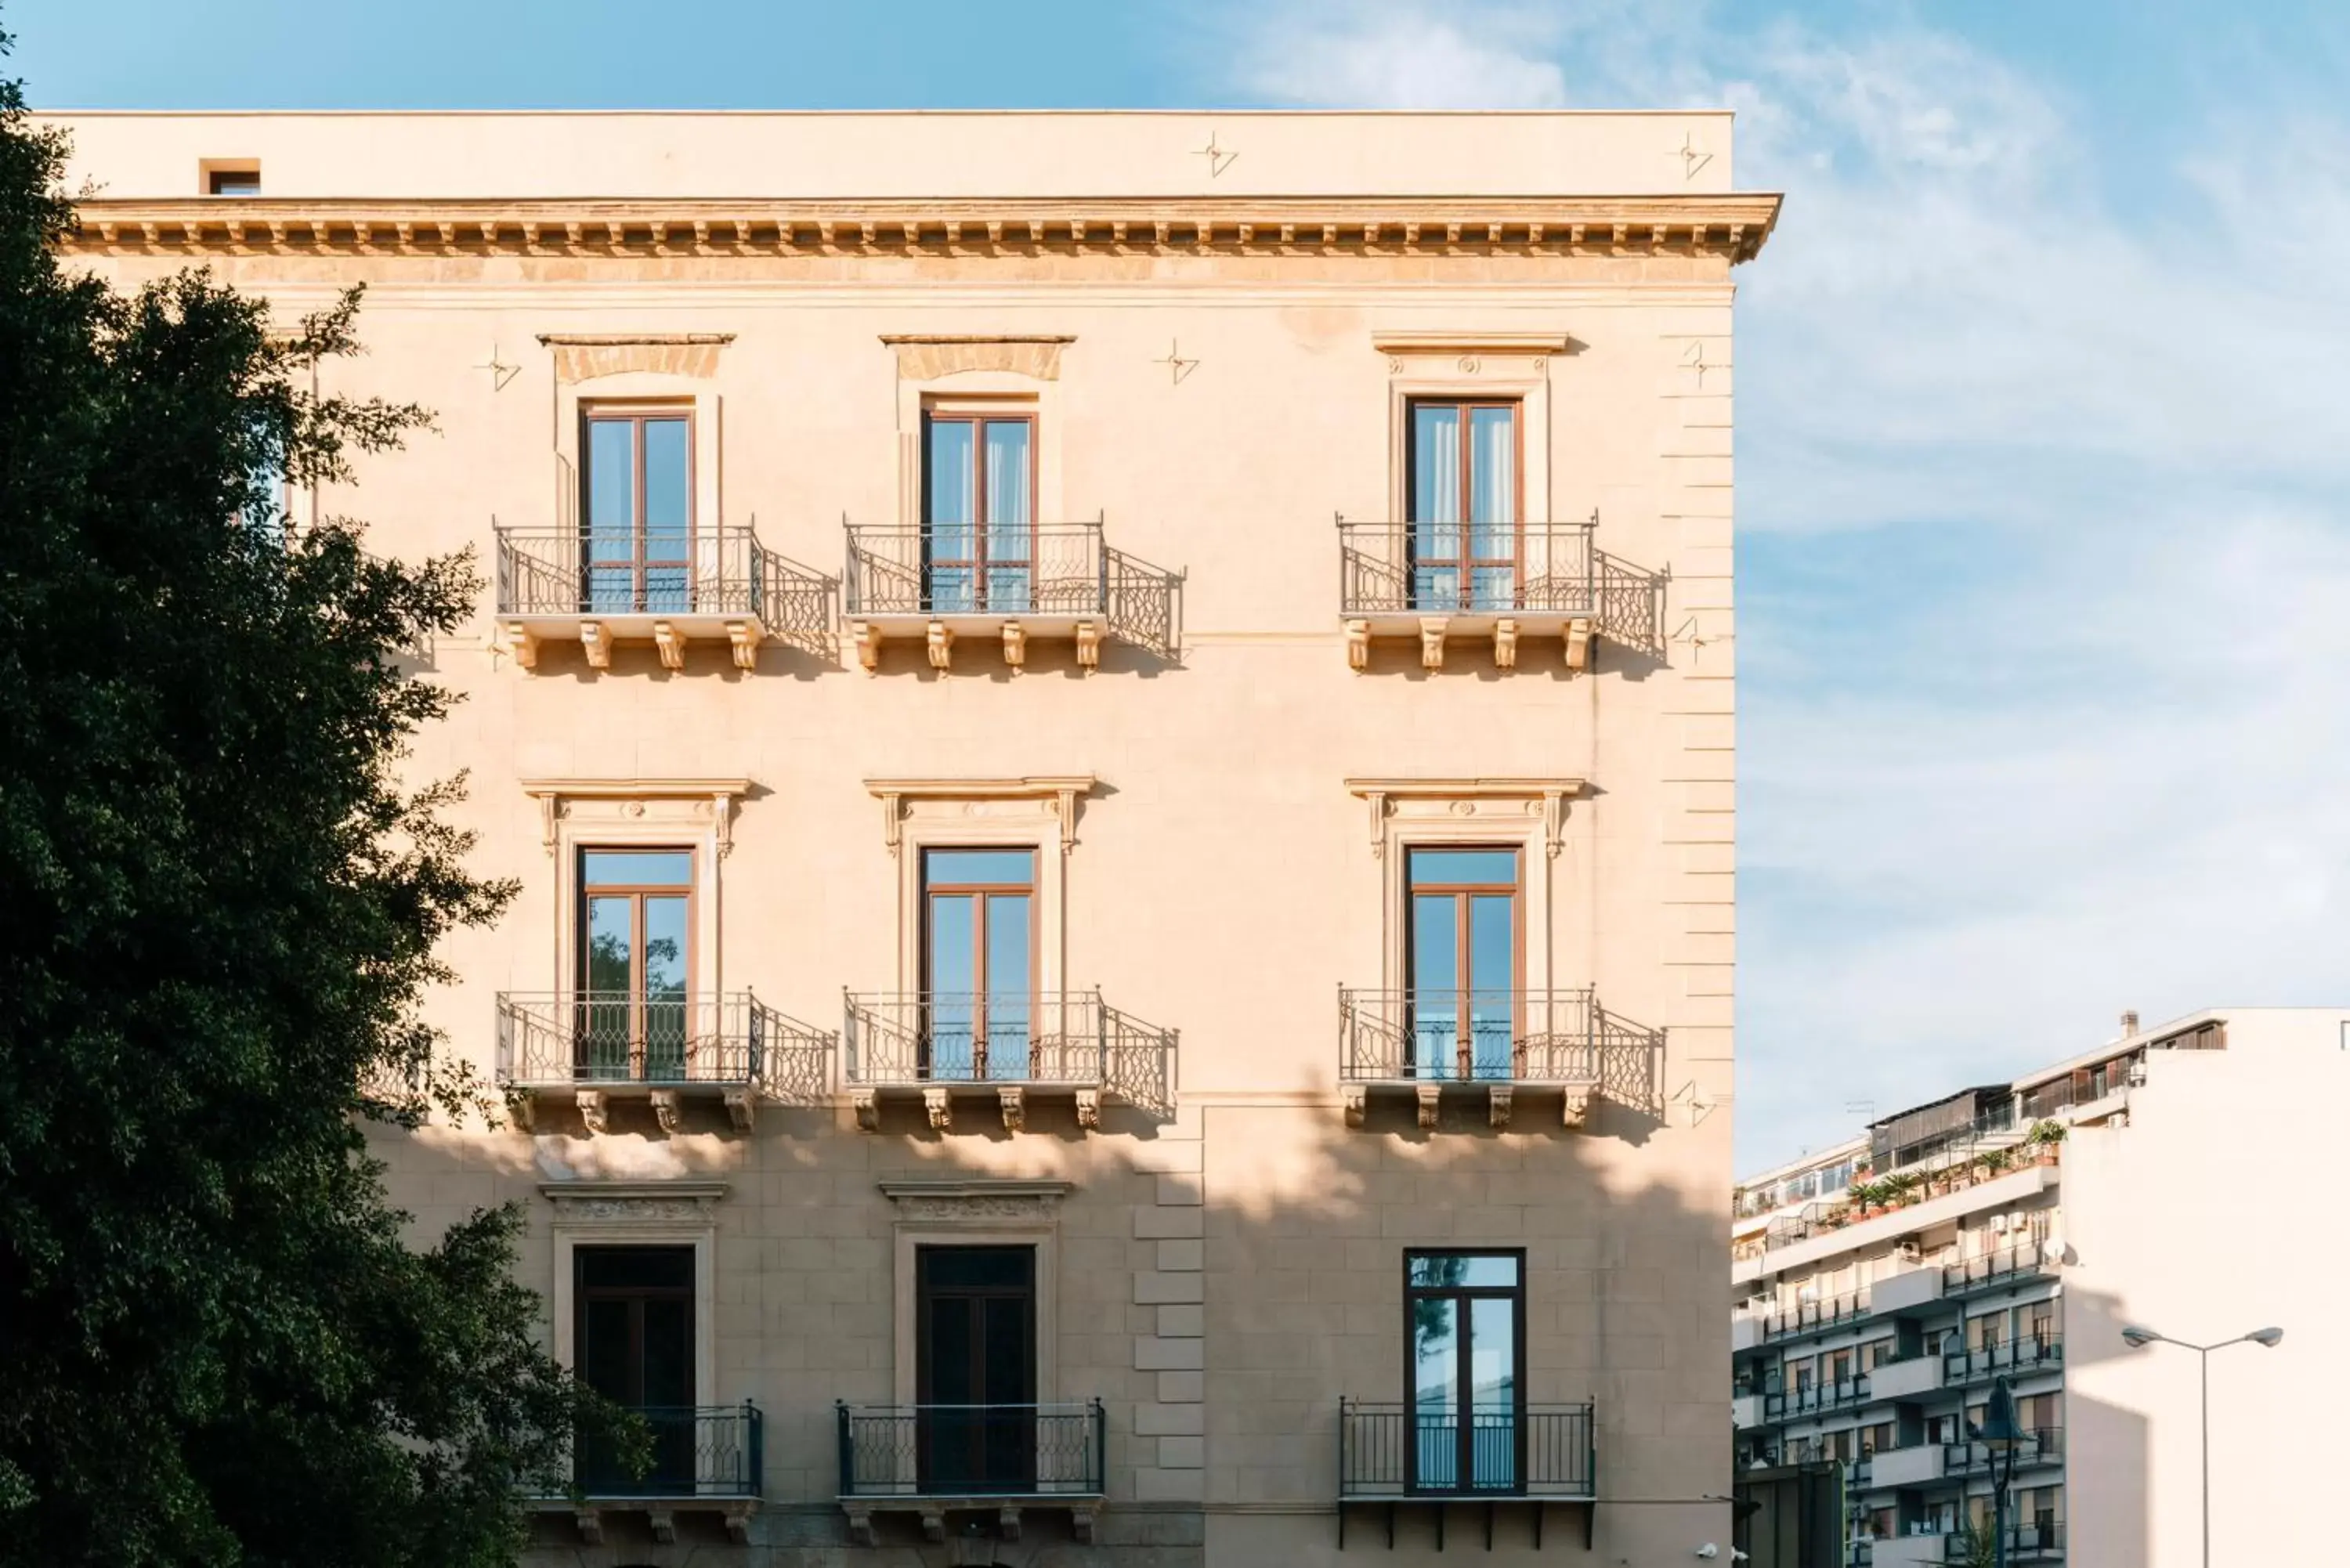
column 1999, row 1224
column 1807, row 1293
column 1911, row 1252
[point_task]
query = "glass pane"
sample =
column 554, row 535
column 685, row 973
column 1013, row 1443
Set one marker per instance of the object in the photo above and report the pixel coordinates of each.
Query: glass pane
column 637, row 869
column 949, row 509
column 1493, row 507
column 1435, row 984
column 979, row 1268
column 667, row 1009
column 611, row 521
column 1436, row 1412
column 954, row 1361
column 669, row 512
column 1493, row 1391
column 1493, row 986
column 1455, row 867
column 668, row 1350
column 607, row 1360
column 659, row 1267
column 1435, row 504
column 954, row 952
column 1010, row 981
column 1011, row 514
column 610, row 975
column 978, row 868
column 1472, row 1269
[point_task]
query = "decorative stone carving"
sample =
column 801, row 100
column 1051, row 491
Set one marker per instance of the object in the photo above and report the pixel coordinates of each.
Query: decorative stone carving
column 934, row 1201
column 669, row 643
column 598, row 642
column 1359, row 645
column 1577, row 1107
column 861, row 1525
column 1089, row 642
column 1427, row 1095
column 926, row 357
column 584, row 357
column 938, row 1105
column 663, row 1524
column 591, row 1525
column 1358, row 1100
column 1578, row 644
column 1497, row 1104
column 668, row 1111
column 1081, row 1525
column 1089, row 1104
column 665, row 1202
column 1007, row 1522
column 738, row 1526
column 522, row 1106
column 1431, row 642
column 594, row 1109
column 868, row 637
column 1395, row 797
column 867, row 1104
column 939, row 642
column 522, row 643
column 1016, row 645
column 1505, row 644
column 1013, row 1101
column 934, row 1525
column 742, row 1108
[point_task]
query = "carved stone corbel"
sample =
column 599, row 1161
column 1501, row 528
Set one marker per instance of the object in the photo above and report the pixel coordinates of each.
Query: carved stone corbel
column 522, row 644
column 738, row 1526
column 1013, row 1101
column 745, row 636
column 1016, row 645
column 1089, row 642
column 1089, row 1102
column 940, row 1108
column 934, row 1525
column 1431, row 642
column 1427, row 1095
column 868, row 636
column 1578, row 1108
column 1359, row 645
column 523, row 1106
column 938, row 641
column 1497, row 1104
column 594, row 1109
column 670, row 644
column 1007, row 1522
column 663, row 1524
column 597, row 643
column 669, row 1111
column 1357, row 1099
column 866, row 1103
column 1081, row 1525
column 742, row 1108
column 1579, row 643
column 860, row 1525
column 591, row 1525
column 1505, row 644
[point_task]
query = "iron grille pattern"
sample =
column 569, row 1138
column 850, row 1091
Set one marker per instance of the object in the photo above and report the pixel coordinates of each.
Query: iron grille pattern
column 703, row 570
column 972, row 1450
column 1029, row 568
column 2016, row 1355
column 977, row 1037
column 1467, row 568
column 1387, row 1450
column 1469, row 1036
column 2040, row 1445
column 547, row 1039
column 697, row 1450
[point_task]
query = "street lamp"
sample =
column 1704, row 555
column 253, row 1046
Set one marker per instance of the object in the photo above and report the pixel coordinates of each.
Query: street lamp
column 2138, row 1336
column 2001, row 1436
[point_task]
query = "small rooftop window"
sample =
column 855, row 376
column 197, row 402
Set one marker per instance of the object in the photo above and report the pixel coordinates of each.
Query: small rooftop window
column 231, row 177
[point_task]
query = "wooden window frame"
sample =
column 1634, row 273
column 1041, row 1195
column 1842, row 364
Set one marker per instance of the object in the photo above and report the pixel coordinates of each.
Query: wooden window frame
column 979, row 562
column 638, row 413
column 1465, row 1451
column 583, row 1293
column 979, row 892
column 1462, row 893
column 1465, row 564
column 583, row 891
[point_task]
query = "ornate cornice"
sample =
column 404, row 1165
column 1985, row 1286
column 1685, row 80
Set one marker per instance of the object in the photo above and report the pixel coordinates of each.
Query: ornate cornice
column 584, row 356
column 633, row 1202
column 1730, row 225
column 722, row 794
column 1548, row 797
column 925, row 357
column 1064, row 791
column 948, row 1200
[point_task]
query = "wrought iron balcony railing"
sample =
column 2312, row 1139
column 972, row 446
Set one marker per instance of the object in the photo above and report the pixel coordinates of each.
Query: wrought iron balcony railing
column 1071, row 1037
column 1541, row 1451
column 1019, row 1451
column 2026, row 1543
column 1026, row 569
column 1499, row 1037
column 709, row 570
column 2038, row 1352
column 2041, row 1446
column 714, row 1451
column 1974, row 1273
column 599, row 1039
column 1467, row 568
column 1828, row 1396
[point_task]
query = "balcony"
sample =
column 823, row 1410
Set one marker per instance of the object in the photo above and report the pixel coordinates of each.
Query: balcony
column 717, row 585
column 706, row 1458
column 2020, row 1357
column 1541, row 1454
column 2008, row 1266
column 1814, row 1398
column 1745, row 1410
column 938, row 1045
column 931, row 1460
column 1496, row 1044
column 1816, row 1317
column 2042, row 1446
column 1051, row 581
column 1911, row 1291
column 598, row 1046
column 1436, row 581
column 1911, row 1466
column 1924, row 1549
column 1906, row 1378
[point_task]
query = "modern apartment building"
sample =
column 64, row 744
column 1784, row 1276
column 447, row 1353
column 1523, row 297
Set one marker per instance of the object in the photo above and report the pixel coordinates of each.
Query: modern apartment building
column 2011, row 1230
column 1117, row 734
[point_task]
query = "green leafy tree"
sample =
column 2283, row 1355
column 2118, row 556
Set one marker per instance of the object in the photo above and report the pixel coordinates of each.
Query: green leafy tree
column 221, row 908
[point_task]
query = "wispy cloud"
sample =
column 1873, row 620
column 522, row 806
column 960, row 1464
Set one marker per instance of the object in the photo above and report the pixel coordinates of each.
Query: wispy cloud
column 2043, row 489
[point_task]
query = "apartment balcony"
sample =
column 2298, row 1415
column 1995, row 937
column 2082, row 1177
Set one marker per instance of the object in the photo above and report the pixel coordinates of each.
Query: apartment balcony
column 705, row 1459
column 2017, row 1358
column 1911, row 1291
column 1816, row 1316
column 1906, row 1378
column 1912, row 1466
column 2042, row 1446
column 1921, row 1550
column 1541, row 1454
column 938, row 1046
column 1047, row 581
column 1497, row 1045
column 1495, row 583
column 1814, row 1398
column 2009, row 1266
column 1746, row 1410
column 1745, row 1331
column 596, row 1047
column 927, row 1461
column 715, row 585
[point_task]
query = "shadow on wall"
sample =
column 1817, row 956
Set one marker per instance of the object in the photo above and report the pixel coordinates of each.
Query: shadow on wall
column 1287, row 1233
column 2108, row 1486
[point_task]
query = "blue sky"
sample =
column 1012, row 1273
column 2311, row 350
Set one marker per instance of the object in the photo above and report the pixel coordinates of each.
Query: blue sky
column 2044, row 456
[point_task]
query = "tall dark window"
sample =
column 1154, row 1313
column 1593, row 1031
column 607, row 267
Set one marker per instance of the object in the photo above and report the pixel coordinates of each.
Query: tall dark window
column 1464, row 961
column 636, row 923
column 975, row 1354
column 979, row 513
column 1465, row 1318
column 633, row 1330
column 636, row 512
column 1464, row 506
column 979, row 961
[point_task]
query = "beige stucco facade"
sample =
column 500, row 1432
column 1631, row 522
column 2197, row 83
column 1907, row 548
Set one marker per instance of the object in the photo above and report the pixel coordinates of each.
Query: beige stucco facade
column 1216, row 329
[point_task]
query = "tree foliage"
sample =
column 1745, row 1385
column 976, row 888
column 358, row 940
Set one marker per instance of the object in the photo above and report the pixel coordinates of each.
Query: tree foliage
column 221, row 908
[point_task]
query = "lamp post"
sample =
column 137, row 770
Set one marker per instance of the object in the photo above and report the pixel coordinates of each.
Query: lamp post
column 2138, row 1336
column 2001, row 1436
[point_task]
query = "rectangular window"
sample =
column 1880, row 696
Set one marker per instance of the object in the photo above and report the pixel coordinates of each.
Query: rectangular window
column 1465, row 1320
column 1463, row 484
column 979, row 513
column 979, row 970
column 636, row 511
column 635, row 919
column 633, row 1327
column 975, row 1372
column 1464, row 961
column 232, row 179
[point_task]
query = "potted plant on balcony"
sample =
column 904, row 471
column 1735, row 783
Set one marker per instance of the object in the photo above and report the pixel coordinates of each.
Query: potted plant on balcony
column 1992, row 1163
column 1900, row 1188
column 2043, row 1137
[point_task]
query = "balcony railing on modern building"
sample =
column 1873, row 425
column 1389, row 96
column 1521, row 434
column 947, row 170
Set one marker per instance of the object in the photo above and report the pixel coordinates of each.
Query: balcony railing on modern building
column 1013, row 583
column 707, row 584
column 1832, row 1395
column 1501, row 1041
column 1388, row 1453
column 927, row 1458
column 2036, row 1353
column 1014, row 1044
column 2041, row 1446
column 666, row 1047
column 706, row 1458
column 2025, row 1543
column 1434, row 580
column 1995, row 1268
column 1812, row 1317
